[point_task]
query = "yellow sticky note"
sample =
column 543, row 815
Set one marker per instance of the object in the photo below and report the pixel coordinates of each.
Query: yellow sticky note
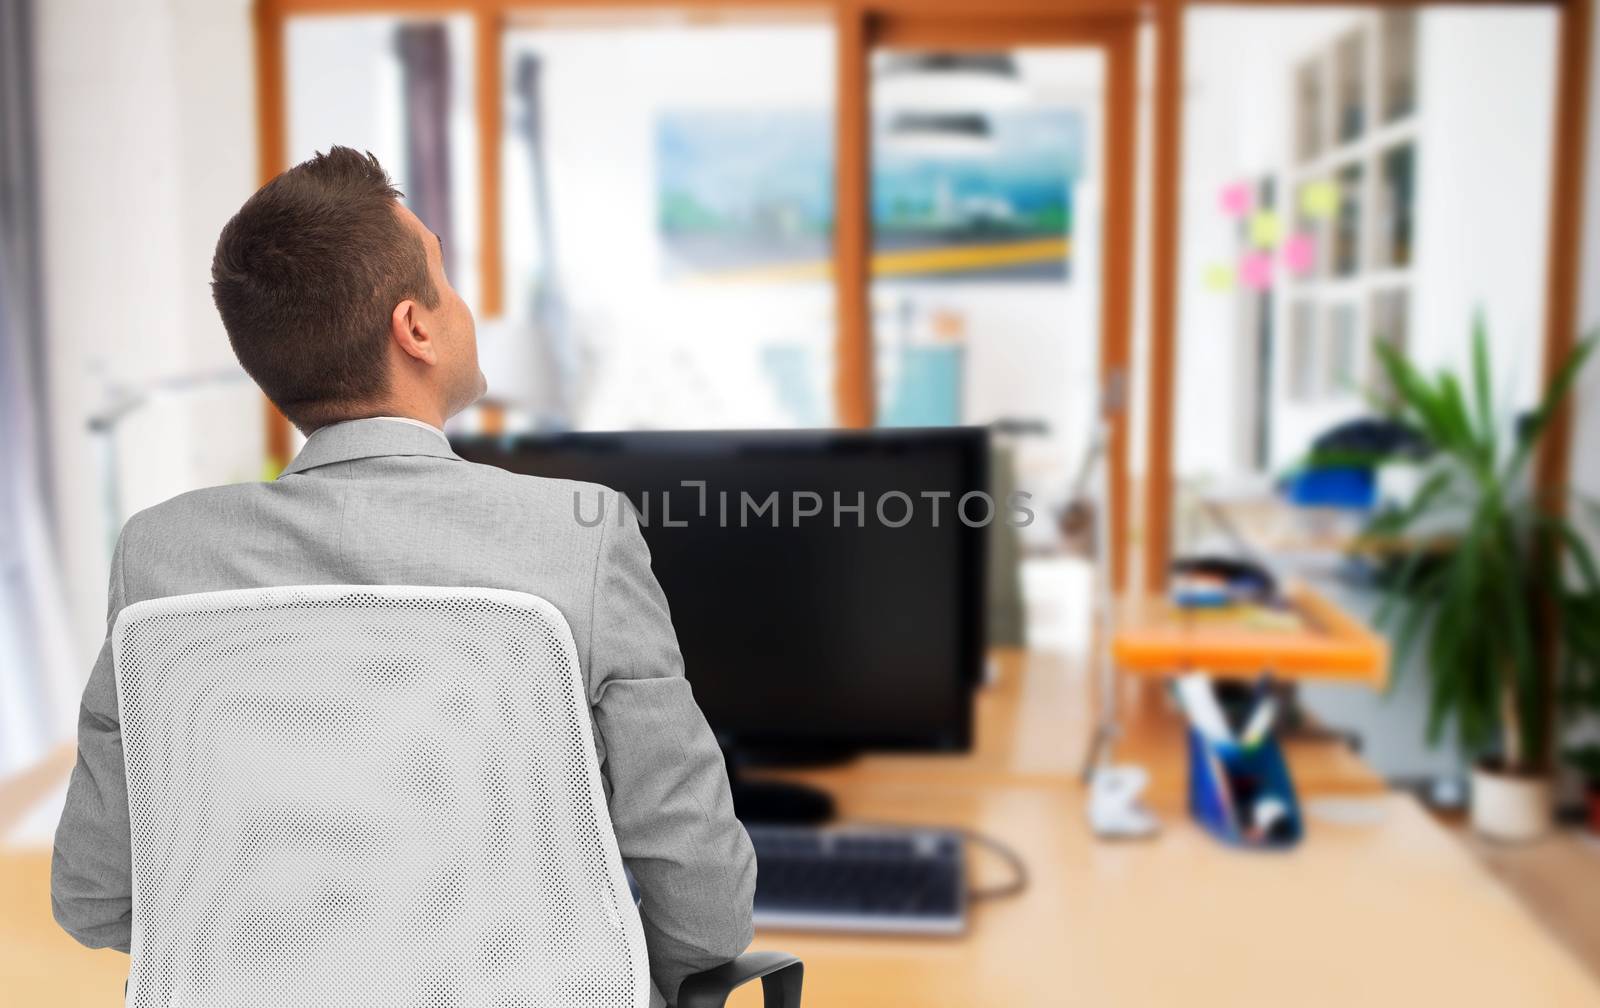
column 1264, row 229
column 1219, row 277
column 1319, row 200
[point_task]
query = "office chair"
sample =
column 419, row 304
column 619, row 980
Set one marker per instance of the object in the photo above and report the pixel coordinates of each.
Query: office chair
column 369, row 795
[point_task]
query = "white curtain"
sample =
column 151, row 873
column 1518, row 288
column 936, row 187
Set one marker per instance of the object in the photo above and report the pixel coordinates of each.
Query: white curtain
column 36, row 675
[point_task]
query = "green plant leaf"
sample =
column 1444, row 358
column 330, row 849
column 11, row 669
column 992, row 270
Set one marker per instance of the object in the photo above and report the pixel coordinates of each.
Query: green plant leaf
column 1575, row 546
column 1480, row 384
column 1411, row 626
column 1417, row 402
column 1453, row 414
column 1522, row 664
column 1474, row 607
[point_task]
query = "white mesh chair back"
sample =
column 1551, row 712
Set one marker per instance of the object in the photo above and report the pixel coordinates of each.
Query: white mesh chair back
column 367, row 796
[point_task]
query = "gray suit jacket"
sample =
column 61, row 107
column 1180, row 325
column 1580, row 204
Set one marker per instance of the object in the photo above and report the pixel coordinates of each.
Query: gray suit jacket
column 380, row 502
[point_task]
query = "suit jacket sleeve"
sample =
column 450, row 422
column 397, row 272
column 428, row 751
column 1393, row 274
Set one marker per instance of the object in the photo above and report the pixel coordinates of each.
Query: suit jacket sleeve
column 670, row 804
column 91, row 869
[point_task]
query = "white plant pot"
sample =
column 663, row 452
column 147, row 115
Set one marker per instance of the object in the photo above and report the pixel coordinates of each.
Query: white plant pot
column 1508, row 807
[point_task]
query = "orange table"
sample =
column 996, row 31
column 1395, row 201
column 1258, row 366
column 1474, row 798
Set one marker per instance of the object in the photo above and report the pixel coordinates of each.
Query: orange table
column 1311, row 639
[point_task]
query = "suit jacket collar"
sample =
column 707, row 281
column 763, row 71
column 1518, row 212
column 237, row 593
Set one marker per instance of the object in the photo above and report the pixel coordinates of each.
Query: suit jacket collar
column 368, row 438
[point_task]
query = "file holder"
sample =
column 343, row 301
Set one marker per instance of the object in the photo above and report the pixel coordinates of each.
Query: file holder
column 1227, row 780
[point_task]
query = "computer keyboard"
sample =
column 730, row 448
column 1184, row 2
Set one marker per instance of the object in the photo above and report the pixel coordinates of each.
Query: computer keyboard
column 859, row 879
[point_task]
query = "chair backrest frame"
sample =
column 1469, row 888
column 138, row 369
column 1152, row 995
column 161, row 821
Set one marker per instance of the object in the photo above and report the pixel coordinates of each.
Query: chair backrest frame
column 158, row 646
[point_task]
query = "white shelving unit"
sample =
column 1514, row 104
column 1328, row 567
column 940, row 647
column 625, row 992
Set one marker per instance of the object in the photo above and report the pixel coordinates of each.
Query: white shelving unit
column 1355, row 124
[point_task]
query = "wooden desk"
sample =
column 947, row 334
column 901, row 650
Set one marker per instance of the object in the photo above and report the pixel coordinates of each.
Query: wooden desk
column 1396, row 912
column 1391, row 912
column 1033, row 722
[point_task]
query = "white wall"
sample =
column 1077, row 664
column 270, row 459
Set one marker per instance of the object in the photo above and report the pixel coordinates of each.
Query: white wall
column 1236, row 128
column 1485, row 99
column 1487, row 96
column 147, row 131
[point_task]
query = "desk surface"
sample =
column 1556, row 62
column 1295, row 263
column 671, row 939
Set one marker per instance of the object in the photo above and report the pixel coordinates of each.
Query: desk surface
column 1393, row 911
column 1033, row 724
column 1385, row 909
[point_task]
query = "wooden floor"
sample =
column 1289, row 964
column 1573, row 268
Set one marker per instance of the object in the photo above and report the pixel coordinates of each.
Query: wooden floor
column 1558, row 880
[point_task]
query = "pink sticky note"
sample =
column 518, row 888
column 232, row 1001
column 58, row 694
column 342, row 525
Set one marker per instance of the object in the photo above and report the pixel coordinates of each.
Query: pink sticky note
column 1235, row 199
column 1255, row 270
column 1299, row 253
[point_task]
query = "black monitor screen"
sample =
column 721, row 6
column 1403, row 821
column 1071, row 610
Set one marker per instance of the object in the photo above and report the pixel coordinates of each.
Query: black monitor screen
column 805, row 622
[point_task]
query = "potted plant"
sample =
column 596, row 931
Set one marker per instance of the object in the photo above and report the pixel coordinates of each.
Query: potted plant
column 1586, row 760
column 1473, row 575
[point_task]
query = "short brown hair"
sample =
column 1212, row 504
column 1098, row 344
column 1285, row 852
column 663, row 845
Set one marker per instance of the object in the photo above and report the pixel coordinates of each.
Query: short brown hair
column 306, row 276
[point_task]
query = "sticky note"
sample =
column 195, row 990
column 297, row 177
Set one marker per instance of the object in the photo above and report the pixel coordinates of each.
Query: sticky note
column 1255, row 270
column 1219, row 277
column 1235, row 199
column 1299, row 254
column 1319, row 200
column 1264, row 229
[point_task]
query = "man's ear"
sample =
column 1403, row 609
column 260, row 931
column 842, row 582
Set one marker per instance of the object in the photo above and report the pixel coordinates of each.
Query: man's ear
column 410, row 332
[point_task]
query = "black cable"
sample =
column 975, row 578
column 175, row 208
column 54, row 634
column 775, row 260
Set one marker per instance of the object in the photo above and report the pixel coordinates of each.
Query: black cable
column 1019, row 868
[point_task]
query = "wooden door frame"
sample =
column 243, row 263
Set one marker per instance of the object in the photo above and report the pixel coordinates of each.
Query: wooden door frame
column 1564, row 242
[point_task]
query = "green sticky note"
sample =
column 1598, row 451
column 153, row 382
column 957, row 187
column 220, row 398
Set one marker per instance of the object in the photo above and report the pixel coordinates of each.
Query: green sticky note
column 1319, row 200
column 1264, row 229
column 1219, row 277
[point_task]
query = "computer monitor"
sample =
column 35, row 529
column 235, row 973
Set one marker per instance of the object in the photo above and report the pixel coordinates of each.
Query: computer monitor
column 807, row 629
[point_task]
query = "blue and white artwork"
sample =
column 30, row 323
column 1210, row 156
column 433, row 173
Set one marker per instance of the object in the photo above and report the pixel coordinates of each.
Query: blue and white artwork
column 748, row 194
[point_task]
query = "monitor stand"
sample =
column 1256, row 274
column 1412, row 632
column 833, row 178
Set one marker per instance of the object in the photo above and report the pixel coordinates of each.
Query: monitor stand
column 776, row 801
column 772, row 801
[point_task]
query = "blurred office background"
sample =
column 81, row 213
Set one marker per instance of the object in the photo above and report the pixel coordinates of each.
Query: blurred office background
column 650, row 235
